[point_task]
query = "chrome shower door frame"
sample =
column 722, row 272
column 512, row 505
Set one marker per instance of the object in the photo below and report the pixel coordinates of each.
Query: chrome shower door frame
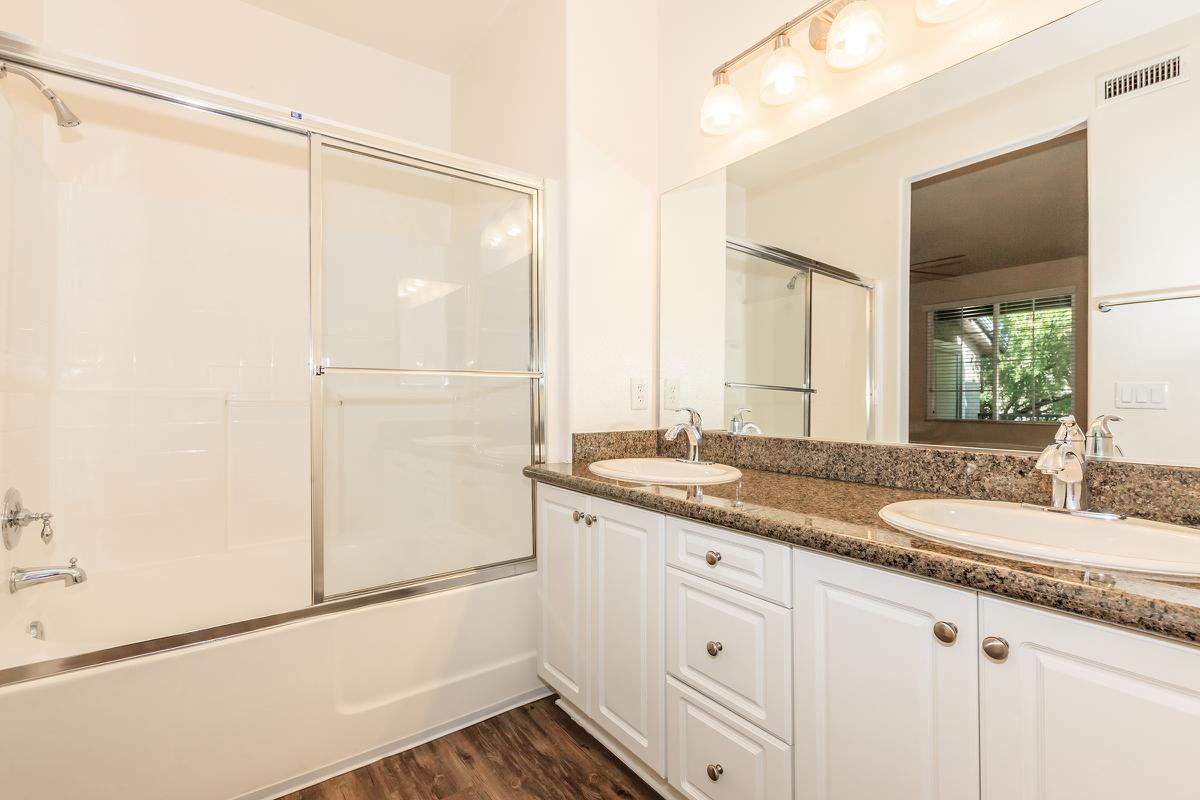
column 810, row 267
column 449, row 167
column 205, row 100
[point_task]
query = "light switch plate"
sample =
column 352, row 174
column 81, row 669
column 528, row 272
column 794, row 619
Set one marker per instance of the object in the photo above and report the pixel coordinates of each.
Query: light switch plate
column 639, row 394
column 1143, row 394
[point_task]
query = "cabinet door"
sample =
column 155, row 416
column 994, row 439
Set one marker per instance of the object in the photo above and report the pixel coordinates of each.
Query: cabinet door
column 1081, row 711
column 562, row 553
column 628, row 676
column 883, row 707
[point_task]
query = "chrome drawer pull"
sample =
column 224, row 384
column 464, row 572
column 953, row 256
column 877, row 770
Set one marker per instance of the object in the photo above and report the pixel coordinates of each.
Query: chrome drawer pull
column 715, row 648
column 577, row 515
column 715, row 771
column 712, row 557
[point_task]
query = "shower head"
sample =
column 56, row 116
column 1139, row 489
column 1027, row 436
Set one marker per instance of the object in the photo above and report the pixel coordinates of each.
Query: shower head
column 66, row 119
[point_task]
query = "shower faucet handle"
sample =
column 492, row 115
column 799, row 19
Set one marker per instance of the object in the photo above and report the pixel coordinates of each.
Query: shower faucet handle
column 16, row 516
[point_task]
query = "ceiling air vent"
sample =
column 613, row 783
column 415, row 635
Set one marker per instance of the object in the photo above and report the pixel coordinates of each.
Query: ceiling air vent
column 1154, row 75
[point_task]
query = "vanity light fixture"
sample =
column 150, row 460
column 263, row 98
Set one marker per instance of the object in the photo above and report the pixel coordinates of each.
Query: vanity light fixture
column 938, row 11
column 784, row 76
column 722, row 109
column 856, row 37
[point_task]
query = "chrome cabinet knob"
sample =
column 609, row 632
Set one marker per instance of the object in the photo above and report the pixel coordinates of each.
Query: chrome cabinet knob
column 588, row 519
column 996, row 649
column 577, row 515
column 715, row 771
column 946, row 632
column 714, row 648
column 712, row 557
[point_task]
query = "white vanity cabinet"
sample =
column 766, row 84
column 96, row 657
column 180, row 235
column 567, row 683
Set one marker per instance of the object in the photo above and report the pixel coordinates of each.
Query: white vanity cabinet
column 884, row 707
column 738, row 668
column 601, row 581
column 1081, row 711
column 563, row 571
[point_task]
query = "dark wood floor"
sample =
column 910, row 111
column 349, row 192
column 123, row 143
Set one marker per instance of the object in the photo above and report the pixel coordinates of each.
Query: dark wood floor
column 535, row 751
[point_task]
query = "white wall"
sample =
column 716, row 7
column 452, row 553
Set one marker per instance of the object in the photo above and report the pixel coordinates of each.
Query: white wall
column 1145, row 241
column 611, row 210
column 240, row 48
column 692, row 264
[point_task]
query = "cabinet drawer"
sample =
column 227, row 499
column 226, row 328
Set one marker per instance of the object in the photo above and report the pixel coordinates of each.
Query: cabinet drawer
column 735, row 648
column 744, row 562
column 708, row 742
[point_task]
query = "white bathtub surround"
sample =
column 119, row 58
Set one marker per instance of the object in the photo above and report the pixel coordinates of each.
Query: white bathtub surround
column 306, row 701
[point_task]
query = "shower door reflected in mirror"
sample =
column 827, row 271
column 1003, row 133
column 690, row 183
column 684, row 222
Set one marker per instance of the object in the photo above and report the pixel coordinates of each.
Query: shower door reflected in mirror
column 428, row 388
column 767, row 333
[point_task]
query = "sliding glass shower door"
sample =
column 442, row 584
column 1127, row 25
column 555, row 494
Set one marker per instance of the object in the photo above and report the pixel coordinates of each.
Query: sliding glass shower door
column 427, row 385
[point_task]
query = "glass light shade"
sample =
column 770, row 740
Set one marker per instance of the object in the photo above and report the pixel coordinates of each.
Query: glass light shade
column 936, row 11
column 492, row 236
column 784, row 76
column 514, row 221
column 856, row 36
column 722, row 109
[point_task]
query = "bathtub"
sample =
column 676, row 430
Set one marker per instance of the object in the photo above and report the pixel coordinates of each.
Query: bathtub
column 118, row 607
column 256, row 715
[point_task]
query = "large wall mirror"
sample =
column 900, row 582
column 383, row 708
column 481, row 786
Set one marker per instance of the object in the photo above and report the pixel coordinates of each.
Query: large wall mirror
column 962, row 262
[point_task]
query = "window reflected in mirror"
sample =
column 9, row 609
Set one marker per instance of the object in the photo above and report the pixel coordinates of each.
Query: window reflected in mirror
column 998, row 270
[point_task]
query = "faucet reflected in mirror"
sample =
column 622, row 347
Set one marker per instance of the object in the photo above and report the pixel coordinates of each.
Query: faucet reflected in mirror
column 740, row 427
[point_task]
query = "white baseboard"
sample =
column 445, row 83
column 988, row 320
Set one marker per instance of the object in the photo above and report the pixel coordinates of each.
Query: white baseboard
column 392, row 748
column 651, row 778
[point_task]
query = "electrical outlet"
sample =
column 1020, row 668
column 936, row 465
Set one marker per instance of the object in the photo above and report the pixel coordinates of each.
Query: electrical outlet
column 639, row 394
column 671, row 394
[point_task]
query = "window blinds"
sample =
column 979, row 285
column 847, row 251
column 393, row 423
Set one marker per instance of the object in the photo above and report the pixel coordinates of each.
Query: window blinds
column 1011, row 361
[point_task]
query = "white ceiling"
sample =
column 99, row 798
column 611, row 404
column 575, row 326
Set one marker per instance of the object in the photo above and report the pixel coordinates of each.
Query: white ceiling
column 439, row 34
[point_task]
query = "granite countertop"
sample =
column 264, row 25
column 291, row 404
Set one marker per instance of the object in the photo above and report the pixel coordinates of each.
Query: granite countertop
column 842, row 519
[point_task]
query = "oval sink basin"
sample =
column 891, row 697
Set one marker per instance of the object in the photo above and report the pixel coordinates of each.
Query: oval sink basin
column 665, row 471
column 1012, row 529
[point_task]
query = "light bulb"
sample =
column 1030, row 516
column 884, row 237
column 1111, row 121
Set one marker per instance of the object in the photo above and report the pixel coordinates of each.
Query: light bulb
column 492, row 236
column 856, row 36
column 722, row 109
column 936, row 11
column 513, row 222
column 784, row 76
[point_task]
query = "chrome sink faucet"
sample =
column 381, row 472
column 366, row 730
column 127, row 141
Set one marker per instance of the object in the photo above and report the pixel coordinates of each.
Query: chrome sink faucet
column 1066, row 463
column 695, row 433
column 19, row 578
column 739, row 426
